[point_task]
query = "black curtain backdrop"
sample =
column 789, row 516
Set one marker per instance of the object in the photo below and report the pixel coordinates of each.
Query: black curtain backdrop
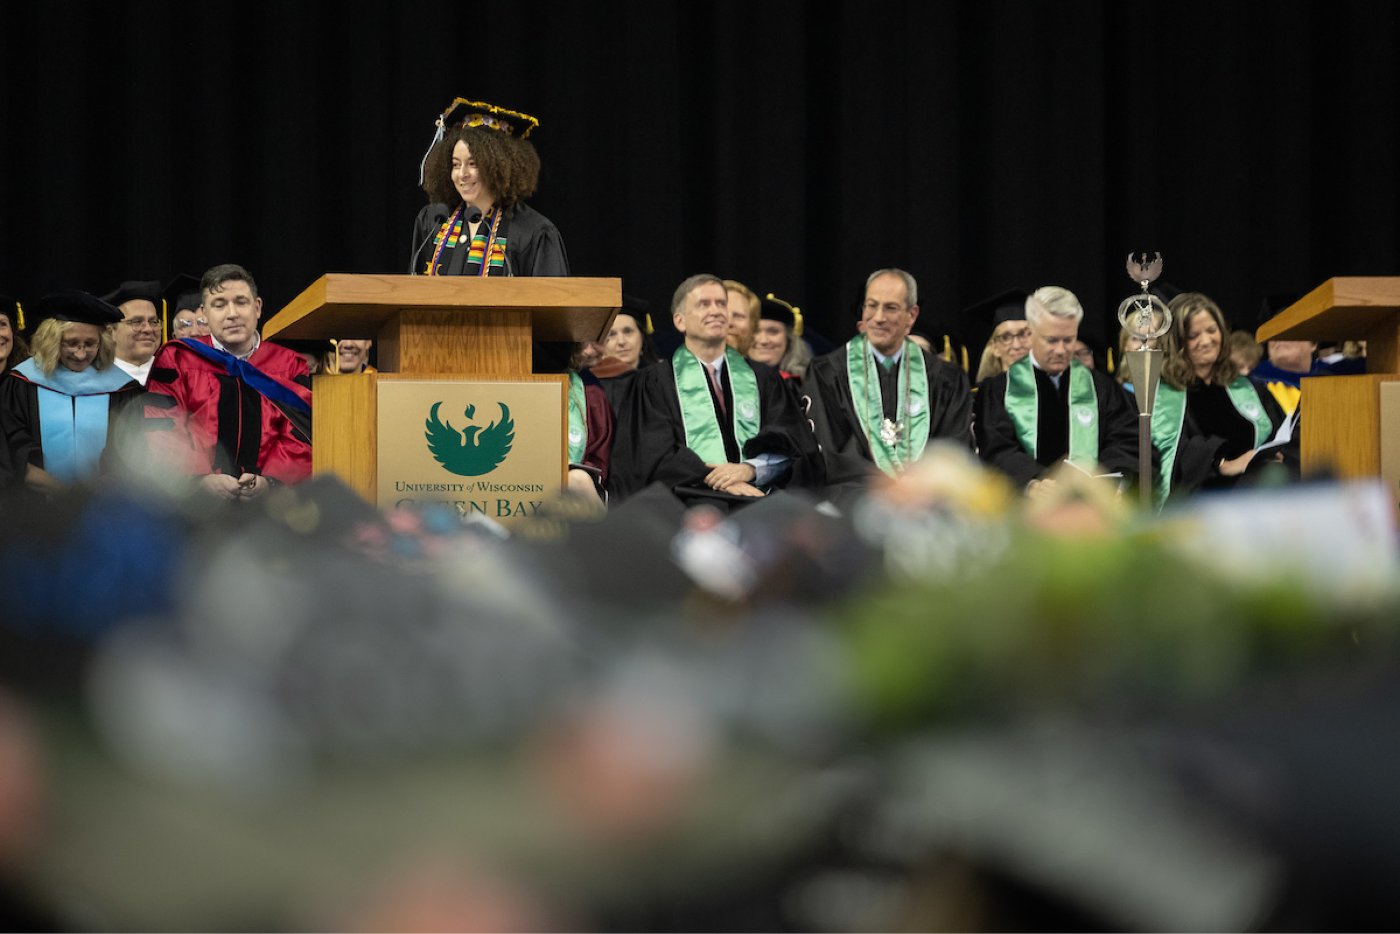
column 796, row 147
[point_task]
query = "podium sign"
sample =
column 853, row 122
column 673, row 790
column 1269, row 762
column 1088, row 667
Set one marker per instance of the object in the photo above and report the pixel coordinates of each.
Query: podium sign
column 492, row 448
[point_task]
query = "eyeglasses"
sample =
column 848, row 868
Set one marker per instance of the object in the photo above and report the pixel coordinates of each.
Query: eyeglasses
column 889, row 308
column 142, row 322
column 1012, row 336
column 186, row 325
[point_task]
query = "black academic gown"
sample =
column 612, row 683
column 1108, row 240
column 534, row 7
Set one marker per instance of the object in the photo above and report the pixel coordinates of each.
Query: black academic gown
column 845, row 447
column 650, row 447
column 1213, row 429
column 533, row 244
column 998, row 445
column 21, row 430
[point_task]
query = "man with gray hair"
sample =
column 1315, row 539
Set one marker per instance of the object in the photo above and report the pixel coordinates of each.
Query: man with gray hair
column 879, row 400
column 708, row 423
column 1049, row 407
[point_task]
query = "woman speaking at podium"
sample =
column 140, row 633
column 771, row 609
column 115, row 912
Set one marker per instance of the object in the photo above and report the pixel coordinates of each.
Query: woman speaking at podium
column 476, row 174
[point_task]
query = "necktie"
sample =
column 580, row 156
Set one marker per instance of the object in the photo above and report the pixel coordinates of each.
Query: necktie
column 715, row 385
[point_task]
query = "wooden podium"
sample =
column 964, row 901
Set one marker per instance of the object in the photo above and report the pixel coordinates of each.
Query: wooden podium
column 1343, row 426
column 429, row 327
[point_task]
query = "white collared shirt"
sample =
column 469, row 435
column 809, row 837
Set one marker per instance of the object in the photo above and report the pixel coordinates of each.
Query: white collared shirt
column 893, row 358
column 257, row 342
column 138, row 373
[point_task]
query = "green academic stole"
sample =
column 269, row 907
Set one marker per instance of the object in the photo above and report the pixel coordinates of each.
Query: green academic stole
column 910, row 427
column 578, row 419
column 1023, row 405
column 702, row 434
column 1169, row 415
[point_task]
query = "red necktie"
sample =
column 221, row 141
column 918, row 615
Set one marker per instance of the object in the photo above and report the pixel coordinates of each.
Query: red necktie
column 714, row 384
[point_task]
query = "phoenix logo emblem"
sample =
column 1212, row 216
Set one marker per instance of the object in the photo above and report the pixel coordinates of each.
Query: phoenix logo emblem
column 472, row 451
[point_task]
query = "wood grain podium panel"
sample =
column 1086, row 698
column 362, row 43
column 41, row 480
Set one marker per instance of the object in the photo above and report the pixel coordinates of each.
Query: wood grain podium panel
column 1341, row 424
column 488, row 343
column 343, row 429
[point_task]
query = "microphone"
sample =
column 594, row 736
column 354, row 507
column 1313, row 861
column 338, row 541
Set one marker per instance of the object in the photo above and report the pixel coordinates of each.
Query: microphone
column 439, row 216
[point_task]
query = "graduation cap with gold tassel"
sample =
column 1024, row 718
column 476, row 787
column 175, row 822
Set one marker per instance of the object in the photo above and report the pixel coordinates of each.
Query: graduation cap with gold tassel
column 12, row 309
column 640, row 309
column 773, row 308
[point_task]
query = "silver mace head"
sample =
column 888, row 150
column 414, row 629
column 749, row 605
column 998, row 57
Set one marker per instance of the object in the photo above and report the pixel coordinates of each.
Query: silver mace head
column 1144, row 268
column 1144, row 316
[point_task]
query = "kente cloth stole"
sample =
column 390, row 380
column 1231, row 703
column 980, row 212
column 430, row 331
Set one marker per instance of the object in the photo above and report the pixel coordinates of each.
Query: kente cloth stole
column 897, row 444
column 449, row 236
column 578, row 419
column 1023, row 406
column 73, row 410
column 489, row 245
column 702, row 431
column 1169, row 415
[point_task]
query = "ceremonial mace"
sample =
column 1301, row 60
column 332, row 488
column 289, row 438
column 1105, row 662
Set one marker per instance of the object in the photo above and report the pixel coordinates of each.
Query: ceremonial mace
column 1139, row 315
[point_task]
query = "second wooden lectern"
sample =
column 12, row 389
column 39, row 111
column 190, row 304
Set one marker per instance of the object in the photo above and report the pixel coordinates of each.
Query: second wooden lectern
column 435, row 328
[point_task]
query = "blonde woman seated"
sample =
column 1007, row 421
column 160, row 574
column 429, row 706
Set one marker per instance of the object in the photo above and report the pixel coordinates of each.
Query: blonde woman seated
column 1208, row 421
column 57, row 408
column 1011, row 334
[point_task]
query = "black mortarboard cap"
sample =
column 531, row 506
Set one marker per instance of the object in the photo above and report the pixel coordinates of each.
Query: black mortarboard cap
column 72, row 305
column 773, row 308
column 182, row 293
column 462, row 112
column 981, row 318
column 135, row 289
column 151, row 291
column 640, row 309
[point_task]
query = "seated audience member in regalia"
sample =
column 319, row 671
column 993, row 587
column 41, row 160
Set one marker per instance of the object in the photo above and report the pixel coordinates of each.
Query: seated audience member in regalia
column 707, row 422
column 589, row 432
column 1047, row 407
column 1208, row 421
column 1245, row 352
column 13, row 349
column 777, row 341
column 590, row 435
column 625, row 350
column 1011, row 335
column 57, row 409
column 477, row 174
column 231, row 410
column 743, row 315
column 182, row 308
column 879, row 400
column 348, row 357
column 142, row 328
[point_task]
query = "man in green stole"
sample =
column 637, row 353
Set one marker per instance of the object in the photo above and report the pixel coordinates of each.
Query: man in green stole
column 1048, row 407
column 877, row 401
column 708, row 422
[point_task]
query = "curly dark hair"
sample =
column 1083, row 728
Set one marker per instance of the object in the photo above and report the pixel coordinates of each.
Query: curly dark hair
column 509, row 167
column 1176, row 365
